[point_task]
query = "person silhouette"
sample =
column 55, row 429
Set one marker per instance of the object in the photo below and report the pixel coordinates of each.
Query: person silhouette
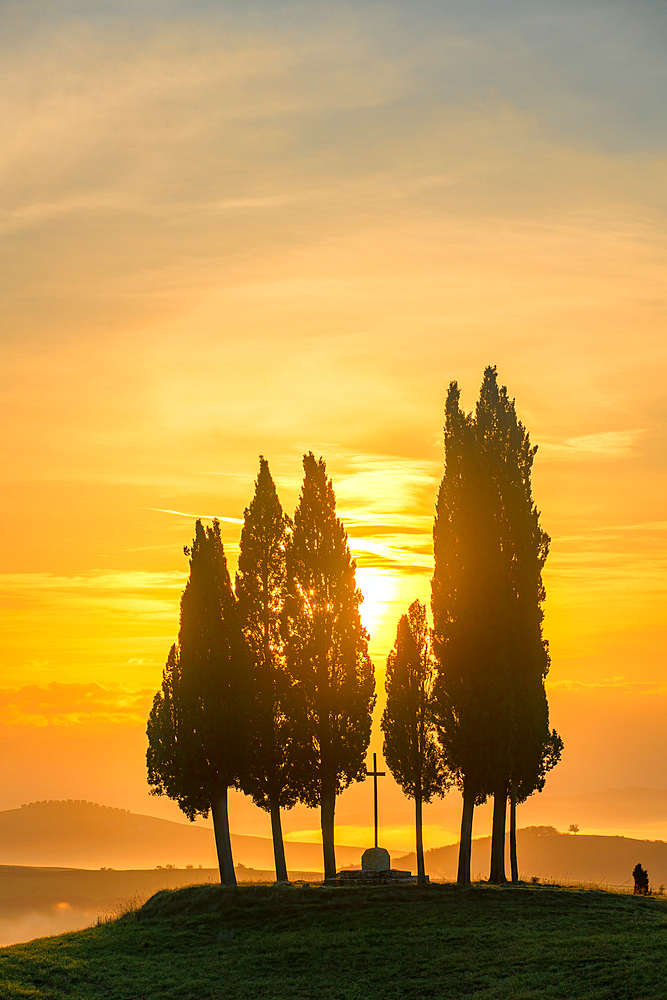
column 640, row 876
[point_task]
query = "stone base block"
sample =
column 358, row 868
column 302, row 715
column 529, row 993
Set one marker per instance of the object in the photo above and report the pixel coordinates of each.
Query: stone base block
column 385, row 876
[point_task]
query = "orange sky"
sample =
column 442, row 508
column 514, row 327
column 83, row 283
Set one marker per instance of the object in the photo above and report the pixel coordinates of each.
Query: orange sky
column 230, row 232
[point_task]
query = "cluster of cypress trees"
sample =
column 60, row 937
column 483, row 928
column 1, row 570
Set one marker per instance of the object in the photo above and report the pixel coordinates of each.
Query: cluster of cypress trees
column 466, row 702
column 269, row 688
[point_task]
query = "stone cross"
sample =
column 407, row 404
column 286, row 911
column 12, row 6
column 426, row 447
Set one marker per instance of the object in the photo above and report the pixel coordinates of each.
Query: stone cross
column 375, row 774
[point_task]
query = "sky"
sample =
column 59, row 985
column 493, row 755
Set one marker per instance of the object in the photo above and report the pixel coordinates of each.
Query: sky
column 240, row 229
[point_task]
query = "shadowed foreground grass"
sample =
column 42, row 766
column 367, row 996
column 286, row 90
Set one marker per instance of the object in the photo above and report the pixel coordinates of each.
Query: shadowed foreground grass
column 207, row 942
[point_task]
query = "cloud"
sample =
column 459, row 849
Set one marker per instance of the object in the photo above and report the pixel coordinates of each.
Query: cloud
column 205, row 517
column 238, row 230
column 607, row 445
column 121, row 580
column 82, row 705
column 136, row 593
column 613, row 684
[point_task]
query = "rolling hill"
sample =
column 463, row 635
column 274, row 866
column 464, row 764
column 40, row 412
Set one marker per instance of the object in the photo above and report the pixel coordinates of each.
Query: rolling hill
column 547, row 854
column 78, row 834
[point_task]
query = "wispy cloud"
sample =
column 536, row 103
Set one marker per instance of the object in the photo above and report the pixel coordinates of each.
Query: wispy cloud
column 121, row 581
column 604, row 446
column 404, row 555
column 57, row 704
column 613, row 684
column 205, row 517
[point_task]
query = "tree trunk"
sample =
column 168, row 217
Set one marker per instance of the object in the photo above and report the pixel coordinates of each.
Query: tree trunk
column 327, row 808
column 513, row 858
column 421, row 874
column 465, row 846
column 497, row 875
column 278, row 845
column 223, row 841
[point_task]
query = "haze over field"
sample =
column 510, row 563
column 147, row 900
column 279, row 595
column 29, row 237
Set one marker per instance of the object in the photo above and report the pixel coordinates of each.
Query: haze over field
column 66, row 888
column 230, row 231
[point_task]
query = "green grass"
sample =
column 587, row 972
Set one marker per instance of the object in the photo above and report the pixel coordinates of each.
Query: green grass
column 356, row 944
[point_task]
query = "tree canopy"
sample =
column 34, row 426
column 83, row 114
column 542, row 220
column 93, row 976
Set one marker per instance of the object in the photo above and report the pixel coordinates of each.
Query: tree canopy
column 411, row 747
column 272, row 774
column 199, row 727
column 487, row 597
column 327, row 651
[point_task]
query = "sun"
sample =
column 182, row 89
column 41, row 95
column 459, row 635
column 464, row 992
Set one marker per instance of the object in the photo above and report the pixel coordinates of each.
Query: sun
column 381, row 589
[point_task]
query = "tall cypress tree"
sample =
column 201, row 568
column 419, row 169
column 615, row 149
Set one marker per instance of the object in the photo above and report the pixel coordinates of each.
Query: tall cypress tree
column 468, row 632
column 487, row 596
column 528, row 742
column 198, row 729
column 327, row 652
column 411, row 748
column 260, row 592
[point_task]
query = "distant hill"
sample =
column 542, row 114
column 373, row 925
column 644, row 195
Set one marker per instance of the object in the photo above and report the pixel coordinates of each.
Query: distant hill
column 544, row 852
column 78, row 834
column 608, row 810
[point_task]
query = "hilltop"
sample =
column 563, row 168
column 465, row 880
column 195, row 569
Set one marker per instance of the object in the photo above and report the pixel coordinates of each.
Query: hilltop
column 544, row 852
column 79, row 834
column 383, row 942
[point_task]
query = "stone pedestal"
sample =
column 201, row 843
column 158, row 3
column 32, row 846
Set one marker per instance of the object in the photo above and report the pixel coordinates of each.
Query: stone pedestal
column 375, row 859
column 375, row 870
column 386, row 876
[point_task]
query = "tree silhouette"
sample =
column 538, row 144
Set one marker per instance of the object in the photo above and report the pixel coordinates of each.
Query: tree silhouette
column 520, row 791
column 327, row 653
column 411, row 747
column 640, row 876
column 468, row 633
column 260, row 593
column 487, row 594
column 198, row 729
column 523, row 728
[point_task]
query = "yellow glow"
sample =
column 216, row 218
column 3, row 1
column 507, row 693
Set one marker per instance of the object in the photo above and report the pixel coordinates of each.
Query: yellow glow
column 397, row 839
column 251, row 238
column 380, row 589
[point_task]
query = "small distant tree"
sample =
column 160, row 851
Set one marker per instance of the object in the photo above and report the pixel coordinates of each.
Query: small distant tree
column 411, row 747
column 327, row 653
column 260, row 592
column 573, row 828
column 199, row 726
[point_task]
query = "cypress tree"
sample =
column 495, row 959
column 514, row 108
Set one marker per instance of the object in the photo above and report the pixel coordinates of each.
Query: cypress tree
column 260, row 592
column 487, row 606
column 411, row 747
column 327, row 653
column 198, row 729
column 467, row 634
column 527, row 740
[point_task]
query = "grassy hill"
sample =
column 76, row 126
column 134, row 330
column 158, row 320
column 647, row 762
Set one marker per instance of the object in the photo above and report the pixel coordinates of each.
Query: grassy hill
column 385, row 942
column 544, row 852
column 37, row 902
column 77, row 834
column 29, row 890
